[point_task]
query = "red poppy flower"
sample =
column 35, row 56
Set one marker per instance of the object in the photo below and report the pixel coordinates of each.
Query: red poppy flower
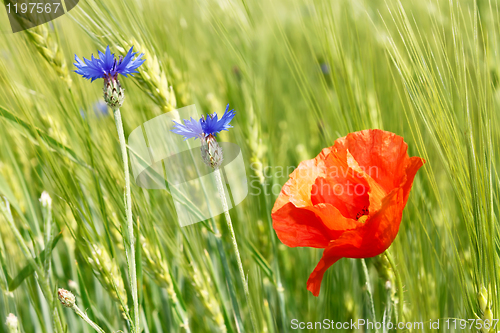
column 348, row 200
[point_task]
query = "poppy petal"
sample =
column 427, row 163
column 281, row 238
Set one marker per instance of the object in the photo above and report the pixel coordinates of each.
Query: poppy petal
column 350, row 242
column 369, row 240
column 349, row 198
column 347, row 186
column 299, row 227
column 335, row 223
column 380, row 230
column 376, row 192
column 381, row 154
column 313, row 226
column 297, row 189
column 412, row 167
column 316, row 277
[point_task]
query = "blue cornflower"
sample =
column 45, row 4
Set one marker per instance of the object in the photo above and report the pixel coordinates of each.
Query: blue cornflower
column 206, row 126
column 107, row 66
column 211, row 125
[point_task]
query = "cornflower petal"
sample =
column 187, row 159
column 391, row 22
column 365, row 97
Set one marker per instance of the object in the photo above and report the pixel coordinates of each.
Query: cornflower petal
column 205, row 126
column 227, row 117
column 127, row 65
column 212, row 125
column 107, row 66
column 89, row 69
column 107, row 60
column 190, row 129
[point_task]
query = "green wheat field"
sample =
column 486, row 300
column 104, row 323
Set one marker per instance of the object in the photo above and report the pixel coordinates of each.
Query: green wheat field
column 300, row 74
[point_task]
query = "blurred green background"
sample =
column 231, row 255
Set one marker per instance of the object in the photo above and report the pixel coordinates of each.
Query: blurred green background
column 300, row 74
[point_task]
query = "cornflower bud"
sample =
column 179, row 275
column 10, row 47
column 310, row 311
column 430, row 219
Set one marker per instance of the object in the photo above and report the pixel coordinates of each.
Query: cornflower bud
column 211, row 152
column 113, row 92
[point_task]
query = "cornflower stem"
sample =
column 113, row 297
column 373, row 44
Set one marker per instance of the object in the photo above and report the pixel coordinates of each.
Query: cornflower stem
column 399, row 285
column 369, row 290
column 89, row 321
column 222, row 194
column 130, row 223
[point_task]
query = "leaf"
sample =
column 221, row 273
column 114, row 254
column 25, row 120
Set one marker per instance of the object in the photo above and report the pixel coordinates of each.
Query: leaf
column 7, row 193
column 50, row 141
column 28, row 269
column 260, row 260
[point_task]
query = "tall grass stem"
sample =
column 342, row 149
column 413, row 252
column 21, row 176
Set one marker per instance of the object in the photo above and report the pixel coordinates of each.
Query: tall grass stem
column 369, row 291
column 399, row 286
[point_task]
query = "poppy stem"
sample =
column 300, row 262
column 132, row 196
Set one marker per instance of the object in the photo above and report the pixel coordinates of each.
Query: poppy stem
column 369, row 291
column 222, row 194
column 399, row 285
column 130, row 222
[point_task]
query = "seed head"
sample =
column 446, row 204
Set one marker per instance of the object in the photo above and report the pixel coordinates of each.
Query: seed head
column 482, row 298
column 45, row 199
column 66, row 298
column 12, row 323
